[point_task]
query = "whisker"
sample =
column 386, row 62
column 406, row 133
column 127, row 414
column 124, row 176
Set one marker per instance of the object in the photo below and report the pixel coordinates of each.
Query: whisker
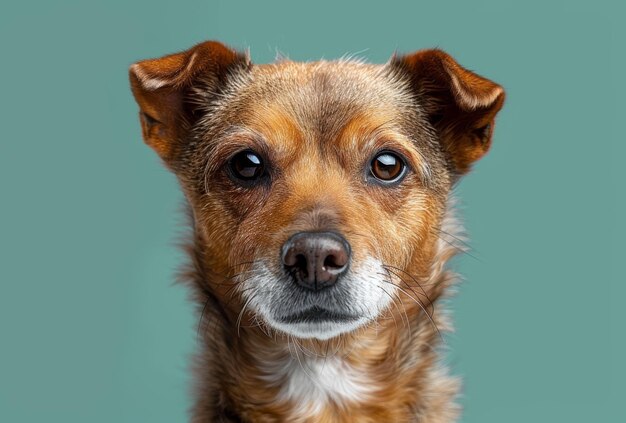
column 417, row 300
column 393, row 301
column 461, row 240
column 419, row 303
column 231, row 291
column 230, row 278
column 209, row 329
column 232, row 296
column 202, row 318
column 406, row 315
column 302, row 366
column 262, row 326
column 402, row 280
column 459, row 249
column 430, row 302
column 233, row 266
column 325, row 356
column 243, row 309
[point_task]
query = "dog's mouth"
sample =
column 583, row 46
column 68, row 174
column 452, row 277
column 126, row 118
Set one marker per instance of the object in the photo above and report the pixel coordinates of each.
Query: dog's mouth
column 317, row 315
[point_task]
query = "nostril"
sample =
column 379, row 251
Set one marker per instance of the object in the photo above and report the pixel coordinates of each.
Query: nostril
column 332, row 262
column 301, row 264
column 337, row 259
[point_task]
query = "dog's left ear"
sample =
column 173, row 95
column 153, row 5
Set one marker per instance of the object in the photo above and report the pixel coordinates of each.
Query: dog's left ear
column 459, row 104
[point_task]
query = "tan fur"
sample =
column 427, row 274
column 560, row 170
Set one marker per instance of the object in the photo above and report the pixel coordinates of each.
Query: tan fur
column 319, row 124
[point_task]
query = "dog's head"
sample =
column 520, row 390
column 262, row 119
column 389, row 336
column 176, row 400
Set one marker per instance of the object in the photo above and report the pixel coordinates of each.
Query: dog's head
column 319, row 188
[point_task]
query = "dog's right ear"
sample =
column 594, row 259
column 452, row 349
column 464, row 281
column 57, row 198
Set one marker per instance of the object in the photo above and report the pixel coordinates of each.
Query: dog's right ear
column 162, row 89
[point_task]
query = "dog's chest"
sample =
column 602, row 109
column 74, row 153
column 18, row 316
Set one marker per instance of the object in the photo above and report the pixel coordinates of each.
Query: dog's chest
column 310, row 383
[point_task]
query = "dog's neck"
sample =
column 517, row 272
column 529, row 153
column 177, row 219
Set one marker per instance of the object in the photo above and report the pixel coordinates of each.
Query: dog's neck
column 389, row 371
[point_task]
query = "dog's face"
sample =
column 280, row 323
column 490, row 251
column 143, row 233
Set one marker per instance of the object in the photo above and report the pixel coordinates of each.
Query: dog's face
column 316, row 188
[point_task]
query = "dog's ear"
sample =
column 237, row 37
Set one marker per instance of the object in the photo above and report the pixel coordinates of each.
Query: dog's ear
column 162, row 88
column 459, row 104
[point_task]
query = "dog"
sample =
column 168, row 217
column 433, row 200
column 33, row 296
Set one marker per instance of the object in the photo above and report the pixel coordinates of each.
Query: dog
column 322, row 218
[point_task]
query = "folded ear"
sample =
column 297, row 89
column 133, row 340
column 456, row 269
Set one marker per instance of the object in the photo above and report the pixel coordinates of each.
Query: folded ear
column 460, row 105
column 162, row 88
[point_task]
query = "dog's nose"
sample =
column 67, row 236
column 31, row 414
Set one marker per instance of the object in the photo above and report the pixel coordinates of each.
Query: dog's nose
column 315, row 260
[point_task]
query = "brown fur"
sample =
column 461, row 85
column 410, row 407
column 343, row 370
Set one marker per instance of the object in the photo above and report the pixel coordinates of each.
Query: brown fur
column 318, row 124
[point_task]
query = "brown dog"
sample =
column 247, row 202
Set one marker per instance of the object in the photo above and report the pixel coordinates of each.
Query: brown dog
column 319, row 195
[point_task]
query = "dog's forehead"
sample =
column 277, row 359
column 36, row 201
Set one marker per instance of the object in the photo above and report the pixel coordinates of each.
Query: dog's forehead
column 349, row 79
column 322, row 98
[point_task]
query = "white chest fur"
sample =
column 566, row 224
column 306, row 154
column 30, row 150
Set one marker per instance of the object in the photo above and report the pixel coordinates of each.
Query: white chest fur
column 310, row 382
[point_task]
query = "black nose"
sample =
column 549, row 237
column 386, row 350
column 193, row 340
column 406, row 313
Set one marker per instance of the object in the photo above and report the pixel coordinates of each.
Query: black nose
column 315, row 260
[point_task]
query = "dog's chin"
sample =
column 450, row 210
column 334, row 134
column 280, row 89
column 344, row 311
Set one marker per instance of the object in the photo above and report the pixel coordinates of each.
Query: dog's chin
column 317, row 328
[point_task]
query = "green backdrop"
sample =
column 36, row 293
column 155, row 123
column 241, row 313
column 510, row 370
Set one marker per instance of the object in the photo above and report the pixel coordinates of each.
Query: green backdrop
column 92, row 328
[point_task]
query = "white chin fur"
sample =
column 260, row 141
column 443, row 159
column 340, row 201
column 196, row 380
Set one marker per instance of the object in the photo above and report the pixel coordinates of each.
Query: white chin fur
column 321, row 331
column 366, row 296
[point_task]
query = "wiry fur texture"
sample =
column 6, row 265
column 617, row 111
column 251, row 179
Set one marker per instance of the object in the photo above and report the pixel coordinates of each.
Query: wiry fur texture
column 317, row 127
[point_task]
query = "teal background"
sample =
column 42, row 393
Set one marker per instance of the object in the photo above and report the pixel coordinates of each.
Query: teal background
column 92, row 328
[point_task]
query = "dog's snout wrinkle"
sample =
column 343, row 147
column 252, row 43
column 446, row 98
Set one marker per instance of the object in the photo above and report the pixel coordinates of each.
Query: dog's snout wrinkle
column 315, row 260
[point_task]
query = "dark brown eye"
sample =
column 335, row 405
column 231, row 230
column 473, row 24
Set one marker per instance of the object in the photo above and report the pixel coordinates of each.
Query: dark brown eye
column 387, row 167
column 247, row 165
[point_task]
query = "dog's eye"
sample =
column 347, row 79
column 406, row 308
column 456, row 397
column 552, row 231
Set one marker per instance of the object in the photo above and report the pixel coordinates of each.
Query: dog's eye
column 387, row 167
column 247, row 165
